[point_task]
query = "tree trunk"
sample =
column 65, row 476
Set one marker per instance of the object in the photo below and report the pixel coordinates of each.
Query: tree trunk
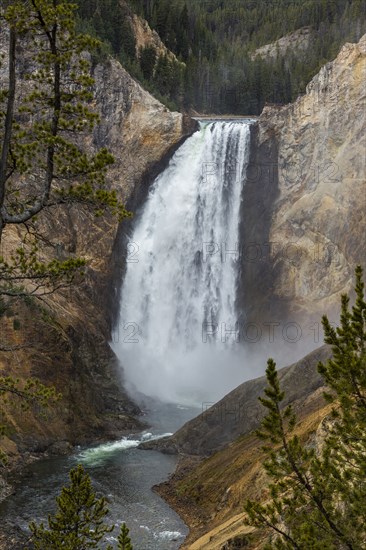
column 8, row 126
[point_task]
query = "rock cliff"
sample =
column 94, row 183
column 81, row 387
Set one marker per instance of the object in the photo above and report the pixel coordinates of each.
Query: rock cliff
column 147, row 37
column 304, row 205
column 297, row 41
column 66, row 336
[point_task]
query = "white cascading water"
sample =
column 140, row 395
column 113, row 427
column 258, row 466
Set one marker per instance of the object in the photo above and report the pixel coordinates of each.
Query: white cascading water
column 178, row 295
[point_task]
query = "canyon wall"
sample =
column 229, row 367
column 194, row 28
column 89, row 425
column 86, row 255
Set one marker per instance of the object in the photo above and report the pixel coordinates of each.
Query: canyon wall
column 297, row 41
column 304, row 204
column 63, row 340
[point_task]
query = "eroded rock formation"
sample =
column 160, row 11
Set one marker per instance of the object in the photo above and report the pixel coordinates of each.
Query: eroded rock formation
column 304, row 205
column 67, row 334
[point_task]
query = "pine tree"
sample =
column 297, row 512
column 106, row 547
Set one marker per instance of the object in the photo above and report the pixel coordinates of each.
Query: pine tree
column 318, row 498
column 41, row 165
column 345, row 373
column 147, row 61
column 45, row 116
column 124, row 541
column 182, row 38
column 43, row 149
column 128, row 39
column 78, row 523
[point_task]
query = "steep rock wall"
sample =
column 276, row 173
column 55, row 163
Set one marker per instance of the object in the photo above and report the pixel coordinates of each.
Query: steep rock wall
column 67, row 337
column 298, row 41
column 304, row 206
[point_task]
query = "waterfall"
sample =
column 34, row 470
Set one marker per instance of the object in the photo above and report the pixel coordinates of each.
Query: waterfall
column 175, row 337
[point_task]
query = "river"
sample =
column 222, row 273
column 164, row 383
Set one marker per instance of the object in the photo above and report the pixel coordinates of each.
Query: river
column 121, row 472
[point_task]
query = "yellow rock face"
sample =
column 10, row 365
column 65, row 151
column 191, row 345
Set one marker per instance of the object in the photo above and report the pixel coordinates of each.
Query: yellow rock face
column 307, row 196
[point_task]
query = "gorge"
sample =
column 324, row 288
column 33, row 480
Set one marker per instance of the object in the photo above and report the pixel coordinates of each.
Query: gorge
column 244, row 232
